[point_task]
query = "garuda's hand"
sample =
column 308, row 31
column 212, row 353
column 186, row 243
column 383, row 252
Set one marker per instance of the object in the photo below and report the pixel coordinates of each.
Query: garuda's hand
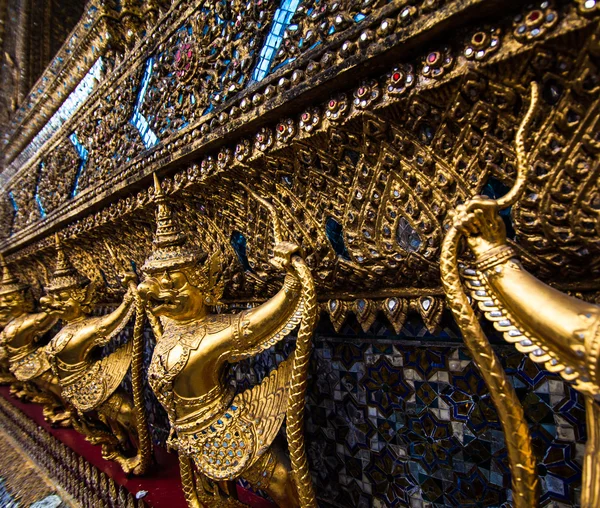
column 127, row 277
column 282, row 254
column 480, row 222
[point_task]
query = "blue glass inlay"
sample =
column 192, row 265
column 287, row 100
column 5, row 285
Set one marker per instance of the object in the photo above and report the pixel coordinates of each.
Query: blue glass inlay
column 335, row 235
column 13, row 202
column 238, row 242
column 281, row 20
column 83, row 157
column 138, row 120
column 40, row 205
column 38, row 200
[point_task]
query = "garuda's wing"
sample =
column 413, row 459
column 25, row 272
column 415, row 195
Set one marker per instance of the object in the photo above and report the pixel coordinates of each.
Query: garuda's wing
column 87, row 391
column 233, row 441
column 265, row 404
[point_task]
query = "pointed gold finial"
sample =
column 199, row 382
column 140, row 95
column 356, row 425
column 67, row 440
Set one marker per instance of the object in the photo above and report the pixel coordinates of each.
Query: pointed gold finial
column 9, row 282
column 170, row 249
column 158, row 192
column 167, row 231
column 65, row 275
column 7, row 276
column 62, row 263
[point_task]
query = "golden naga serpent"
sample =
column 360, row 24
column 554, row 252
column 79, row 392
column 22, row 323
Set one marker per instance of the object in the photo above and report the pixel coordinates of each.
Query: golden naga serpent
column 299, row 377
column 144, row 453
column 518, row 440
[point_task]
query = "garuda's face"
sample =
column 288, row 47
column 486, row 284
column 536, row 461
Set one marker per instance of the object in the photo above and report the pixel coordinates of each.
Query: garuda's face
column 65, row 303
column 12, row 305
column 170, row 294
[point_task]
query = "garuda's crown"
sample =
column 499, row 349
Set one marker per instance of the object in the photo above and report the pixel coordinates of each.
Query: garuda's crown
column 9, row 283
column 170, row 249
column 65, row 275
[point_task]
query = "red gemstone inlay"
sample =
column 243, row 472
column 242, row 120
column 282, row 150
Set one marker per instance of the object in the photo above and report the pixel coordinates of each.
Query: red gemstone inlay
column 361, row 90
column 260, row 138
column 305, row 116
column 478, row 38
column 396, row 76
column 432, row 57
column 281, row 127
column 331, row 104
column 534, row 16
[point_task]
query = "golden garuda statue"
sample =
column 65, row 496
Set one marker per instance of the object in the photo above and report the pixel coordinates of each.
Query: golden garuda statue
column 221, row 436
column 21, row 350
column 555, row 329
column 91, row 384
column 15, row 301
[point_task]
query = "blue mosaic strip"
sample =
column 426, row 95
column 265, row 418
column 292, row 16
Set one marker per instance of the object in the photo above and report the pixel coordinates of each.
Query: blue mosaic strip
column 138, row 120
column 281, row 20
column 13, row 201
column 83, row 157
column 38, row 199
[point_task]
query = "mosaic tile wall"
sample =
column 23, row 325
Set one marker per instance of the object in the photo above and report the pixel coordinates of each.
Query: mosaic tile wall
column 407, row 421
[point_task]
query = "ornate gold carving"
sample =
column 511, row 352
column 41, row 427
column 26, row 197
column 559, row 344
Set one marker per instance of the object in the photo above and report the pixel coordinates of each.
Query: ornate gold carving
column 89, row 384
column 461, row 129
column 385, row 160
column 21, row 351
column 222, row 435
column 240, row 107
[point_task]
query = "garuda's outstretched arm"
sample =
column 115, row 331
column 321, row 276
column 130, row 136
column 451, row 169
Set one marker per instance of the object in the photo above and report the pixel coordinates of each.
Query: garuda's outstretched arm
column 295, row 303
column 259, row 328
column 552, row 327
column 109, row 325
column 39, row 323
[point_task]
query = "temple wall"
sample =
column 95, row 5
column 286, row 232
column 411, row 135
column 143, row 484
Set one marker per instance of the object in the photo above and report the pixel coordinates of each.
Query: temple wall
column 365, row 125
